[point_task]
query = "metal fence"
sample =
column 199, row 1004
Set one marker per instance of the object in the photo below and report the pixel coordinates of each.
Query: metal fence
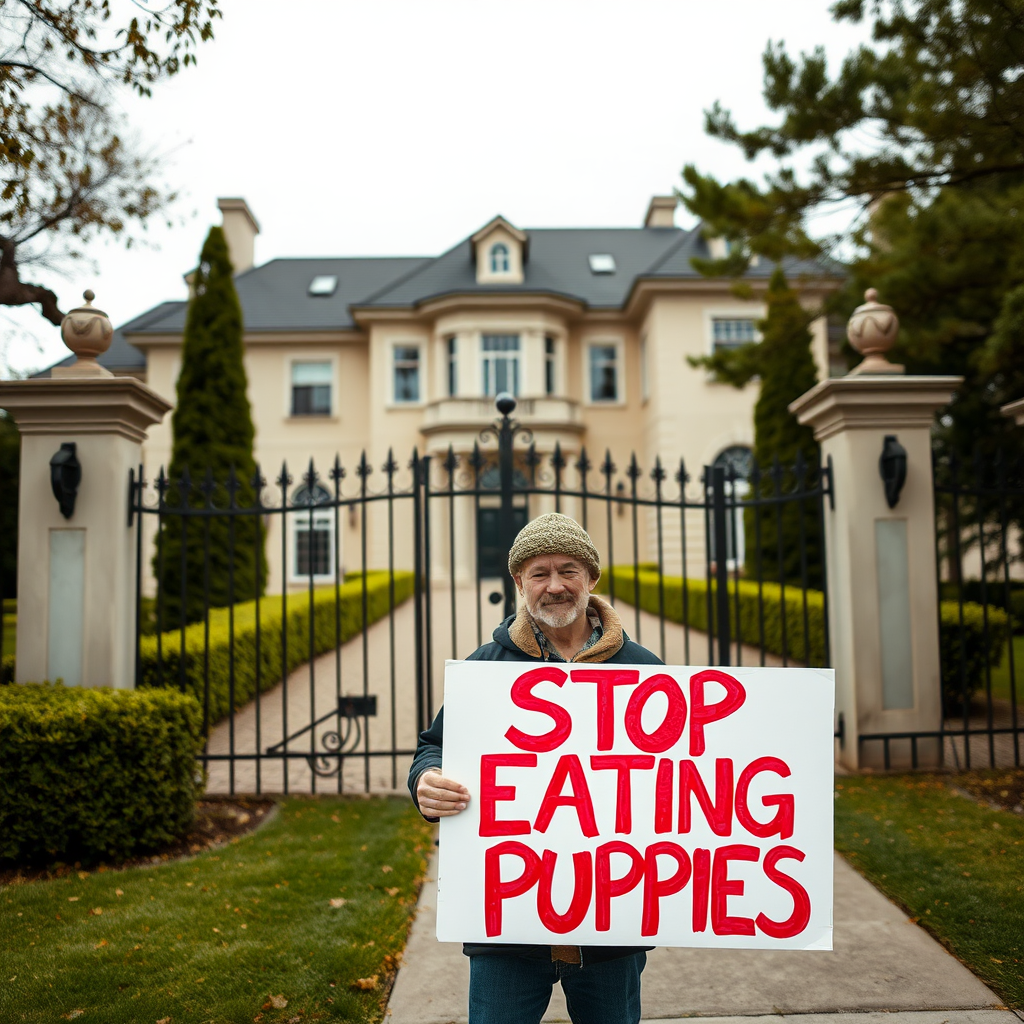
column 326, row 683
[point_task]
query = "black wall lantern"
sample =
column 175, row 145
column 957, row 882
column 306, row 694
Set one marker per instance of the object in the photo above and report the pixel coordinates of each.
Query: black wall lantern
column 65, row 476
column 892, row 466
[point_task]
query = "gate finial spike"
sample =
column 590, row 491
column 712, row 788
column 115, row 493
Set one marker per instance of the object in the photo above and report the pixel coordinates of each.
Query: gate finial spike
column 207, row 487
column 284, row 481
column 258, row 483
column 232, row 487
column 800, row 468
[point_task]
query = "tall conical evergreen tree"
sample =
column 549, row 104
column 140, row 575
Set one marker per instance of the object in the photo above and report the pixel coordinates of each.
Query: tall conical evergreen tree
column 213, row 437
column 787, row 371
column 782, row 360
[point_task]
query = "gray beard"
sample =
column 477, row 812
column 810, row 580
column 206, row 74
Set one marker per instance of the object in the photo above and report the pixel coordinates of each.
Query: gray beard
column 562, row 614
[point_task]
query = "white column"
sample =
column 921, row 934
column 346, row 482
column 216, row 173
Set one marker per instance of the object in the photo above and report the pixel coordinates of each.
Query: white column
column 77, row 575
column 882, row 588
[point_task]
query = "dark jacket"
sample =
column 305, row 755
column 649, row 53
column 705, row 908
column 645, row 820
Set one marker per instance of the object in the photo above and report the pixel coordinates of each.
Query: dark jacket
column 514, row 640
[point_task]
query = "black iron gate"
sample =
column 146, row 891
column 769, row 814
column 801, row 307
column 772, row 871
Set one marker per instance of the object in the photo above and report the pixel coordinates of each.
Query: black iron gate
column 381, row 574
column 979, row 510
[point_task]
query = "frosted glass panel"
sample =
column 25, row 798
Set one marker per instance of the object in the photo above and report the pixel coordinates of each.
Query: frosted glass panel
column 67, row 606
column 894, row 613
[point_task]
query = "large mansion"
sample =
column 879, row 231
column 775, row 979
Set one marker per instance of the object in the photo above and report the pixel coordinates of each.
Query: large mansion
column 589, row 327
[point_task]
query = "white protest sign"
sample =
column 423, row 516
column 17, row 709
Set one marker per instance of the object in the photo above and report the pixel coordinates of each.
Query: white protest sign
column 638, row 805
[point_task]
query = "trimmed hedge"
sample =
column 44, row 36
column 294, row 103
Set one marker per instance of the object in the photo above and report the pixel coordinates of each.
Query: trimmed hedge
column 974, row 651
column 166, row 671
column 977, row 653
column 749, row 624
column 91, row 774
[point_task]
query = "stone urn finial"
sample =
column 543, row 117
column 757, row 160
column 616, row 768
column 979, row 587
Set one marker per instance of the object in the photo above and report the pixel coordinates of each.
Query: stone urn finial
column 872, row 332
column 87, row 331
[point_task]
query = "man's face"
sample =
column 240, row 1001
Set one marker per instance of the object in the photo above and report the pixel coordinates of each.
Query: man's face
column 556, row 589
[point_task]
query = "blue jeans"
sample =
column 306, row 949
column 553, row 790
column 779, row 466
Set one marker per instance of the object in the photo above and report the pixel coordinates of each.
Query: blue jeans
column 517, row 990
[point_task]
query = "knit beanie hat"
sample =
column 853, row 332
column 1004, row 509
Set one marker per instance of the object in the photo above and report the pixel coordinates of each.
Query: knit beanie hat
column 554, row 534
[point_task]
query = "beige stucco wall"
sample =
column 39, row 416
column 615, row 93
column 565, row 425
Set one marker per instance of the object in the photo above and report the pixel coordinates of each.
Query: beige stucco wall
column 682, row 415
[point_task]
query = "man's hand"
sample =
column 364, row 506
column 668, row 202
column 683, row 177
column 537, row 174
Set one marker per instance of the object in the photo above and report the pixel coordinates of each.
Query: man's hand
column 439, row 797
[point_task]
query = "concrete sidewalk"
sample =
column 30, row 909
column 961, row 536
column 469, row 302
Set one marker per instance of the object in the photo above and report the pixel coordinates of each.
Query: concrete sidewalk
column 883, row 970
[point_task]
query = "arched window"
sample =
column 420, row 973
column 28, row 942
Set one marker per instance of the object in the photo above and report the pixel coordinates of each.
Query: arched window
column 313, row 533
column 304, row 497
column 499, row 258
column 739, row 458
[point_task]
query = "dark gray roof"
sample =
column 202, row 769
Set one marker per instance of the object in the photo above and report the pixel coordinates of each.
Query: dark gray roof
column 275, row 296
column 557, row 264
column 677, row 262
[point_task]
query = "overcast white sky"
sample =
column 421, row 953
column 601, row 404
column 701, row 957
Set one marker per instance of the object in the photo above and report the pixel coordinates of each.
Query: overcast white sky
column 398, row 128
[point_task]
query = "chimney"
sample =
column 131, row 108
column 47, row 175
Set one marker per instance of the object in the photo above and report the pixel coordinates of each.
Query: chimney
column 661, row 213
column 240, row 230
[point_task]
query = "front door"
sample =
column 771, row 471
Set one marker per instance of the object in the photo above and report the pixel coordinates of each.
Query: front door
column 491, row 557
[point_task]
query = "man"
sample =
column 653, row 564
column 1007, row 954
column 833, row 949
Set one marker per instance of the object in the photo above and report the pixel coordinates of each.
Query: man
column 555, row 567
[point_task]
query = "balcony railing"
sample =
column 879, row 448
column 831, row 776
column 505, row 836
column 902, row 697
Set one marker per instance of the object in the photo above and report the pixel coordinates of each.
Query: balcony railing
column 475, row 413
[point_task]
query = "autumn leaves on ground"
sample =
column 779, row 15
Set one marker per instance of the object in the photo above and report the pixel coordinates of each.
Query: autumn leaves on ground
column 949, row 849
column 302, row 920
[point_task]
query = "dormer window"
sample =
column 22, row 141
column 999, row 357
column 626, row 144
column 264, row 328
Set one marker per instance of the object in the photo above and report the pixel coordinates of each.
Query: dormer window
column 499, row 258
column 500, row 253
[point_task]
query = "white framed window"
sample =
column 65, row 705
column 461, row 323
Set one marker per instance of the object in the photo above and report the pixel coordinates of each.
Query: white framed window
column 453, row 366
column 729, row 332
column 500, row 363
column 313, row 538
column 550, row 367
column 499, row 258
column 604, row 372
column 311, row 388
column 406, row 373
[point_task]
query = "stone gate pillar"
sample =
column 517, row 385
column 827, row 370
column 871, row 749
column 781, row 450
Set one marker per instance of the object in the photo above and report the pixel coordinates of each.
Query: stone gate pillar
column 874, row 425
column 81, row 434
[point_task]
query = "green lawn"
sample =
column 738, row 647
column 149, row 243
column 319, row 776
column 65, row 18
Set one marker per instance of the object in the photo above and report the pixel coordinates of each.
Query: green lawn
column 1001, row 675
column 956, row 867
column 211, row 939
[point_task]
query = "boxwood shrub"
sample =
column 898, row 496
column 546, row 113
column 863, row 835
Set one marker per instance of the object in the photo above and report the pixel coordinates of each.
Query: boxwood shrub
column 161, row 655
column 976, row 648
column 88, row 774
column 813, row 650
column 969, row 649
